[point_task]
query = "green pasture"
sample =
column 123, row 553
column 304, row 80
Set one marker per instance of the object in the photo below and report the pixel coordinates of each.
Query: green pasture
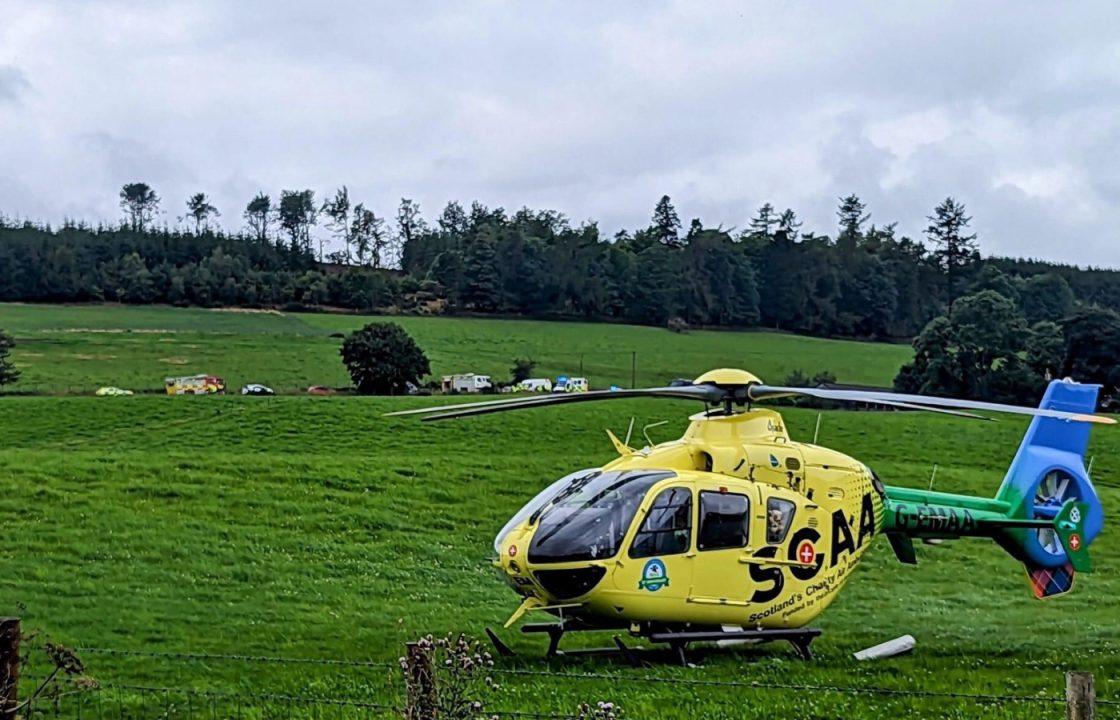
column 76, row 349
column 314, row 527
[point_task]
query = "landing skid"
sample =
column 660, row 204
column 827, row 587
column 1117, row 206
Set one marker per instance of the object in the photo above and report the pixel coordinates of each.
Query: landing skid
column 678, row 641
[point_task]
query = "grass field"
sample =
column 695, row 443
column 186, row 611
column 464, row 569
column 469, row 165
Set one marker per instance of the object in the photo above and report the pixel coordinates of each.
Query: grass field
column 313, row 527
column 76, row 349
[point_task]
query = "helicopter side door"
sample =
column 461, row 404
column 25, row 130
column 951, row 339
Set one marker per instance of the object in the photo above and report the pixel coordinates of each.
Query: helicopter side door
column 719, row 576
column 656, row 563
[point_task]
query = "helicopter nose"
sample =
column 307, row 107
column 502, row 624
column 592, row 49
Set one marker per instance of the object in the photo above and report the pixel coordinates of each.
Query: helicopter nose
column 569, row 583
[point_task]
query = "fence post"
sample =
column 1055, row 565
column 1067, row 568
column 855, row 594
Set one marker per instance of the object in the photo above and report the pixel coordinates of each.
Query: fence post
column 419, row 683
column 9, row 667
column 1081, row 698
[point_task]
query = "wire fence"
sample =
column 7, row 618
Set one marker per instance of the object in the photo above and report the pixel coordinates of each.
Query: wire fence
column 101, row 700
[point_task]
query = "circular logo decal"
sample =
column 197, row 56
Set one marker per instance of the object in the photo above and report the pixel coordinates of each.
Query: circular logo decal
column 654, row 576
column 806, row 552
column 1075, row 515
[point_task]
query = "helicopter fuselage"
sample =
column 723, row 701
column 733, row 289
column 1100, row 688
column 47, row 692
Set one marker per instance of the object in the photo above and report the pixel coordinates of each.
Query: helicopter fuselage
column 732, row 524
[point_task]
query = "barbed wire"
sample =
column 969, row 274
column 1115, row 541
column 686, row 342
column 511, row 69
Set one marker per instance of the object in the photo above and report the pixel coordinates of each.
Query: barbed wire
column 765, row 685
column 528, row 714
column 275, row 697
column 609, row 677
column 225, row 657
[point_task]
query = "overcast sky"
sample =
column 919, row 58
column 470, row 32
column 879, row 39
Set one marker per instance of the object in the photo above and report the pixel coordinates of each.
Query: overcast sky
column 593, row 109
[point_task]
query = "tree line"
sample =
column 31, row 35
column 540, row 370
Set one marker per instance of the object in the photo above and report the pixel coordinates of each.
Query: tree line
column 1008, row 338
column 864, row 280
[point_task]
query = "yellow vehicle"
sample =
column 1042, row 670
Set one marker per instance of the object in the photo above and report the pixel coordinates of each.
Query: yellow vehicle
column 737, row 532
column 195, row 385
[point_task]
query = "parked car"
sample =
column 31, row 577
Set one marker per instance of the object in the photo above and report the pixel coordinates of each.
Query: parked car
column 320, row 390
column 256, row 389
column 111, row 392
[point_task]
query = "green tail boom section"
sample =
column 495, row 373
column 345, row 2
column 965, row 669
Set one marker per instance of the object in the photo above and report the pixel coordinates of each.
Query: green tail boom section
column 911, row 513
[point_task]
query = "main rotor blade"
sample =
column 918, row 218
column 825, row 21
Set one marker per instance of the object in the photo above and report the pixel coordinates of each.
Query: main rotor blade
column 923, row 402
column 926, row 408
column 701, row 393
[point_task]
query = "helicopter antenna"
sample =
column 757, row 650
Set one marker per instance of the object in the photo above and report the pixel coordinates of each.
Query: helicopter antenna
column 817, row 430
column 645, row 431
column 1089, row 470
column 629, row 431
column 932, row 475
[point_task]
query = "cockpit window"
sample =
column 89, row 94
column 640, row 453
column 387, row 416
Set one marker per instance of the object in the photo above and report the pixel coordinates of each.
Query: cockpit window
column 588, row 519
column 723, row 520
column 667, row 527
column 539, row 502
column 779, row 516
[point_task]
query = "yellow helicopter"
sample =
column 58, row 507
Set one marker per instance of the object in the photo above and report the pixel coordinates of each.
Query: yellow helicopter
column 737, row 532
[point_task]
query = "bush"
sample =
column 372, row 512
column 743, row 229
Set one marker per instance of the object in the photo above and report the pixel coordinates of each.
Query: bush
column 383, row 359
column 8, row 372
column 677, row 324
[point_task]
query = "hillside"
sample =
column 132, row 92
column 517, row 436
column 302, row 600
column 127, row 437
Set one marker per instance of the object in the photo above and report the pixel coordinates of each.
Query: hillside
column 311, row 527
column 66, row 349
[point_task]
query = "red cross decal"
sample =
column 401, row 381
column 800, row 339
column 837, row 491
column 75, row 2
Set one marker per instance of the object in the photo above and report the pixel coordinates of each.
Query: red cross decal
column 806, row 552
column 1075, row 542
column 513, row 551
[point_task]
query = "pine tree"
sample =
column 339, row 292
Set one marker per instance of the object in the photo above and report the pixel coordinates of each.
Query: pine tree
column 852, row 216
column 666, row 225
column 763, row 222
column 789, row 225
column 953, row 249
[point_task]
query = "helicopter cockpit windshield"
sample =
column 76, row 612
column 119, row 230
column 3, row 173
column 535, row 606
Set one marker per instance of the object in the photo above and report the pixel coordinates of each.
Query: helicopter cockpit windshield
column 539, row 502
column 588, row 519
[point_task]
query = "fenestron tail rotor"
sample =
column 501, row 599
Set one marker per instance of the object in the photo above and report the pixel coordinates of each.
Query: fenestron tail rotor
column 731, row 390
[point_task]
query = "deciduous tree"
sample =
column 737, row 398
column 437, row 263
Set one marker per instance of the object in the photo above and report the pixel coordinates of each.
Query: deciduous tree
column 140, row 203
column 259, row 216
column 200, row 210
column 297, row 215
column 383, row 359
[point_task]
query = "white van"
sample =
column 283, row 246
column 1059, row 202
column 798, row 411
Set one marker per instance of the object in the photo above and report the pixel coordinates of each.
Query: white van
column 535, row 385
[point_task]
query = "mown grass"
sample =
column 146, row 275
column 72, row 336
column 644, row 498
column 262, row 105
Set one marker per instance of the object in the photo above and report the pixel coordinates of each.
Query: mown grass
column 313, row 527
column 76, row 349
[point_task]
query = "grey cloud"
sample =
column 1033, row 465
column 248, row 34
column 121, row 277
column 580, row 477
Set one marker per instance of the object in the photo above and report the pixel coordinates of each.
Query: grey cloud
column 13, row 83
column 595, row 110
